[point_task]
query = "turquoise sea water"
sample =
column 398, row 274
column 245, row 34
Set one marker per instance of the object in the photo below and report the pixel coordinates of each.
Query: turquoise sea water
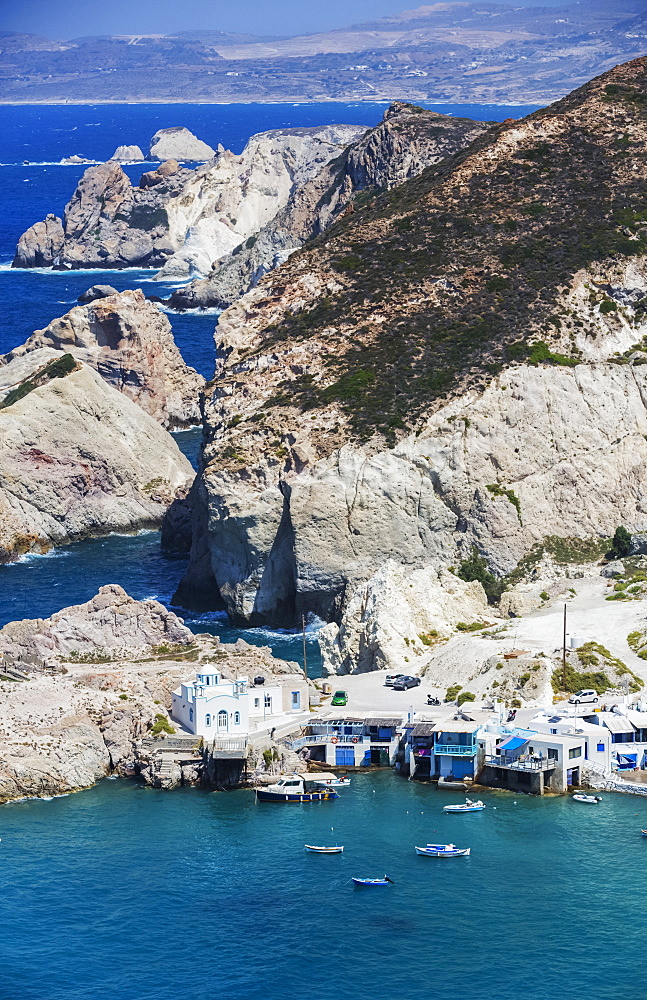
column 132, row 894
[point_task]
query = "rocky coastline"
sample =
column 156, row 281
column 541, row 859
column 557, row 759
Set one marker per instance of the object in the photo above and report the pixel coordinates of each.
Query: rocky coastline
column 83, row 690
column 429, row 410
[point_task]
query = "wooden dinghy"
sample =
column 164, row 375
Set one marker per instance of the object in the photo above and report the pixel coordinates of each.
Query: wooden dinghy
column 324, row 850
column 385, row 880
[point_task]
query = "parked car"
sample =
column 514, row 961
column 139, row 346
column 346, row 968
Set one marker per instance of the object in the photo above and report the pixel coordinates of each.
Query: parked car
column 587, row 694
column 390, row 679
column 340, row 698
column 404, row 682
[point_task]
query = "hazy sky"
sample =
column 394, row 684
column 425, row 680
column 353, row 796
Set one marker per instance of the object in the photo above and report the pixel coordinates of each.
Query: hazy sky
column 72, row 18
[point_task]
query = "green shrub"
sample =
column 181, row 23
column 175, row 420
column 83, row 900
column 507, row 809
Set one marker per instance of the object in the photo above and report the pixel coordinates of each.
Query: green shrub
column 162, row 725
column 545, row 596
column 465, row 696
column 608, row 306
column 472, row 627
column 476, row 568
column 452, row 692
column 620, row 545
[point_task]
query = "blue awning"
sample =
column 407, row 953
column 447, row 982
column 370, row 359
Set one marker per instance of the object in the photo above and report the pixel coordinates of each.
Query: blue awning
column 512, row 744
column 628, row 759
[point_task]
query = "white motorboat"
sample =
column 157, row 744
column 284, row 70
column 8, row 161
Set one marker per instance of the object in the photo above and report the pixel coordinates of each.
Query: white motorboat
column 591, row 800
column 335, row 782
column 465, row 807
column 443, row 851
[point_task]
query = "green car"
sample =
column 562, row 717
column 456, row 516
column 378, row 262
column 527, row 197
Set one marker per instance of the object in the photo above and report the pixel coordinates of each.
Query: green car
column 340, row 698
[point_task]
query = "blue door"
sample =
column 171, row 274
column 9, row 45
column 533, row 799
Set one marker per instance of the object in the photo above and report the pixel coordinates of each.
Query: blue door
column 344, row 757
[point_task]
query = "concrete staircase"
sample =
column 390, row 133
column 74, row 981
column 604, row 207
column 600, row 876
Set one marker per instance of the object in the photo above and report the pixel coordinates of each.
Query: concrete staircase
column 291, row 759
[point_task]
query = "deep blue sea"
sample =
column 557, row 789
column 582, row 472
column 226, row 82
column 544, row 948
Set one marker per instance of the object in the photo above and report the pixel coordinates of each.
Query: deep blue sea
column 131, row 894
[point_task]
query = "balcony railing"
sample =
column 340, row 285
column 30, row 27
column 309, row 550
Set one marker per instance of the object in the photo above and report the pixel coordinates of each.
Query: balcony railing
column 303, row 741
column 524, row 763
column 456, row 749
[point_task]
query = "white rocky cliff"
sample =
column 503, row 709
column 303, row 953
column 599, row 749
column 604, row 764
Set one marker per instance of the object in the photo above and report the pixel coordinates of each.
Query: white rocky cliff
column 77, row 458
column 405, row 142
column 178, row 218
column 129, row 342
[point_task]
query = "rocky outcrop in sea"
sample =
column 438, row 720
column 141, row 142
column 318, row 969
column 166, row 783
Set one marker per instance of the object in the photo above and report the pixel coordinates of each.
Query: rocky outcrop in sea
column 180, row 219
column 129, row 342
column 77, row 458
column 179, row 143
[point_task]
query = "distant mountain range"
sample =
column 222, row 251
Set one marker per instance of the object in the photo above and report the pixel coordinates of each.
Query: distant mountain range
column 454, row 52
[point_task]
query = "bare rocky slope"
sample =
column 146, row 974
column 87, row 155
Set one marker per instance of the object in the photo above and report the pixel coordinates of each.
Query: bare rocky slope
column 455, row 365
column 97, row 676
column 129, row 342
column 77, row 458
column 179, row 218
column 408, row 139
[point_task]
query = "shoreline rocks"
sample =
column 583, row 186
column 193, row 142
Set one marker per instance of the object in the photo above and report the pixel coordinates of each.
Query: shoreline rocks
column 98, row 674
column 129, row 342
column 127, row 154
column 78, row 459
column 179, row 143
column 180, row 217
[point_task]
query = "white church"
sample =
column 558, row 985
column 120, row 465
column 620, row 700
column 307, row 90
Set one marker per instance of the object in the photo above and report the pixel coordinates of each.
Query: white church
column 212, row 707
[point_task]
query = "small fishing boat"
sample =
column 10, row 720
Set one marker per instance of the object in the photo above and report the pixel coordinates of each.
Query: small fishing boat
column 591, row 800
column 332, row 782
column 324, row 850
column 385, row 880
column 443, row 851
column 296, row 788
column 468, row 806
column 644, row 833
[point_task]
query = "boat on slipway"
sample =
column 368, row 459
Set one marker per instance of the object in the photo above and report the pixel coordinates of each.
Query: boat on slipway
column 443, row 851
column 468, row 806
column 296, row 788
column 324, row 850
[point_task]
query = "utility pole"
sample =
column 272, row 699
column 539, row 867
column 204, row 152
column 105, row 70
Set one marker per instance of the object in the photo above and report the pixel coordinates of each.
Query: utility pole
column 305, row 652
column 564, row 653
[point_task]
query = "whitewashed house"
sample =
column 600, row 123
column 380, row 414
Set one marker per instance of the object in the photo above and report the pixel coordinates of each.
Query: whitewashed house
column 211, row 707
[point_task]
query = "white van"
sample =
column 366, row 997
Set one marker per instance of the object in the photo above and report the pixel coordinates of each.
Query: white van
column 588, row 694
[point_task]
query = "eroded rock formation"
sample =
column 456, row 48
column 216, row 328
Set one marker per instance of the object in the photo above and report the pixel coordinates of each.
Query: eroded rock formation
column 184, row 219
column 129, row 342
column 408, row 140
column 179, row 143
column 77, row 458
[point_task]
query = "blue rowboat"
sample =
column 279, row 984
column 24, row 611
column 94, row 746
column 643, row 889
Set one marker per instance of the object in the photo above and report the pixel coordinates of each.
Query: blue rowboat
column 374, row 881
